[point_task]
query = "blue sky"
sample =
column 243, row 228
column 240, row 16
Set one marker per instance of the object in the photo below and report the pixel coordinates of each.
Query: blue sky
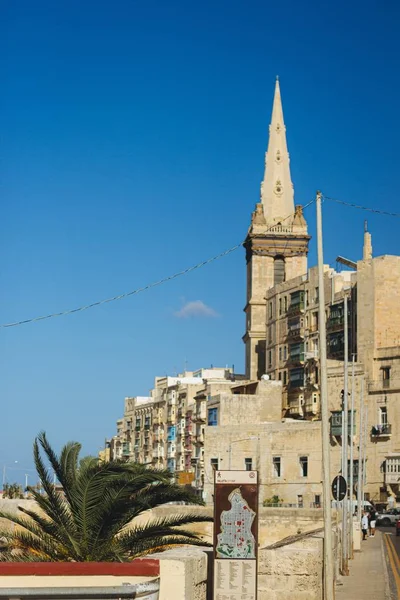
column 132, row 140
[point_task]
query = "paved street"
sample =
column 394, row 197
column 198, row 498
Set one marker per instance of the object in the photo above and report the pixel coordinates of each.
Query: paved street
column 392, row 553
column 368, row 579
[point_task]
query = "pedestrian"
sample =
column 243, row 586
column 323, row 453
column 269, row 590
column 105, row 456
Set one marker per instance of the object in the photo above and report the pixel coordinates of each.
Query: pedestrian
column 372, row 522
column 364, row 525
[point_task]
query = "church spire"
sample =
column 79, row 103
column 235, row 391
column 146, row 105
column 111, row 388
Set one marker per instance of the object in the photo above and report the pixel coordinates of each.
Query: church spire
column 276, row 187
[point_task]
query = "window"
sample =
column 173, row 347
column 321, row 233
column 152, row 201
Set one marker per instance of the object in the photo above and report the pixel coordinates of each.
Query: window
column 248, row 464
column 300, row 501
column 316, row 375
column 284, row 352
column 383, row 416
column 316, row 295
column 317, row 501
column 280, row 352
column 280, row 306
column 303, row 466
column 386, row 376
column 285, row 303
column 284, row 377
column 307, row 299
column 212, row 417
column 279, row 269
column 270, row 358
column 214, row 464
column 276, row 466
column 270, row 310
column 280, row 376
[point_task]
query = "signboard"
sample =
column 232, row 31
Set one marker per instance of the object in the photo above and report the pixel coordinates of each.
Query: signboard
column 185, row 477
column 235, row 535
column 339, row 488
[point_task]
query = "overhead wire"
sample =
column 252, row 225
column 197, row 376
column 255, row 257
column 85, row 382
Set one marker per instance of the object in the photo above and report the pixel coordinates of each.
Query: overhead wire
column 144, row 288
column 360, row 207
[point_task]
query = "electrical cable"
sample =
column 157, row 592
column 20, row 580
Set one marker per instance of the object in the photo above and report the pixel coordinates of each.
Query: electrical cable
column 373, row 210
column 144, row 288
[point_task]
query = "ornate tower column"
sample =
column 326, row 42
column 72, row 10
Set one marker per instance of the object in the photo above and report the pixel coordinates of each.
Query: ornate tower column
column 277, row 240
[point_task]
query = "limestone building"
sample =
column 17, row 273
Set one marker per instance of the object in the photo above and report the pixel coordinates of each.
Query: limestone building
column 163, row 429
column 282, row 344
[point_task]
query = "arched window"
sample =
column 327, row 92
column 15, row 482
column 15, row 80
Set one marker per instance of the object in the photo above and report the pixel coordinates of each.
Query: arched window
column 279, row 269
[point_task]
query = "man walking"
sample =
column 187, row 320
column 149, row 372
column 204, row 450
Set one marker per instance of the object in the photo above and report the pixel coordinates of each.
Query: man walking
column 364, row 525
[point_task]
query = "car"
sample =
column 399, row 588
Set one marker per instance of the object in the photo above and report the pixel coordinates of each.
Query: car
column 398, row 527
column 389, row 517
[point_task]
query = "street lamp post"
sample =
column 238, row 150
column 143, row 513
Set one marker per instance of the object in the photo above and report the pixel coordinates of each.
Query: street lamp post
column 5, row 467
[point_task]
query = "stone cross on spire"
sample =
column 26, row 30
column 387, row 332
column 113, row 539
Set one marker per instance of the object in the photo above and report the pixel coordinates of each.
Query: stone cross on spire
column 277, row 188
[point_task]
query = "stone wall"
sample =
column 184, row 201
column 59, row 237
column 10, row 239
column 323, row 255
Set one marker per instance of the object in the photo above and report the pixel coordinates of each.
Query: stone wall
column 292, row 571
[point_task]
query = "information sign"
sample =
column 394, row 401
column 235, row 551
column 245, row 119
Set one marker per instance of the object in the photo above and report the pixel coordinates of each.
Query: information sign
column 235, row 535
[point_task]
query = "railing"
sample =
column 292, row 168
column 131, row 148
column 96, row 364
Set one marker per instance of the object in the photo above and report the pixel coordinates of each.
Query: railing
column 296, row 332
column 384, row 430
column 295, row 308
column 281, row 229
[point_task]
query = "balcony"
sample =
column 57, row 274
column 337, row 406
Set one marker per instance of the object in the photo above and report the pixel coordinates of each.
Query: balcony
column 392, row 470
column 335, row 324
column 295, row 333
column 381, row 431
column 311, row 407
column 296, row 359
column 296, row 385
column 384, row 385
column 199, row 439
column 200, row 417
column 336, row 423
column 296, row 309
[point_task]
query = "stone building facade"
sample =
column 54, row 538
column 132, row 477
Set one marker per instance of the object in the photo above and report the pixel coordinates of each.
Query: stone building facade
column 282, row 329
column 164, row 429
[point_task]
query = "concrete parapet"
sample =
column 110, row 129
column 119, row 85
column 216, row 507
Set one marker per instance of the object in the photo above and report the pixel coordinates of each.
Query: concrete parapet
column 183, row 574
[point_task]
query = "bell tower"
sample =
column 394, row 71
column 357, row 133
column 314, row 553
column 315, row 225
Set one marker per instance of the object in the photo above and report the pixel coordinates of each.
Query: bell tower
column 277, row 240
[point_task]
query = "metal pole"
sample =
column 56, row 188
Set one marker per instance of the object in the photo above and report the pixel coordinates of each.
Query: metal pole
column 351, row 457
column 344, row 441
column 326, row 475
column 365, row 451
column 343, row 472
column 360, row 454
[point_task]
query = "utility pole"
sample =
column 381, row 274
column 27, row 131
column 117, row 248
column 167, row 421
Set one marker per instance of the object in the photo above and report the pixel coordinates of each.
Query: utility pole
column 364, row 452
column 351, row 555
column 326, row 474
column 344, row 439
column 360, row 455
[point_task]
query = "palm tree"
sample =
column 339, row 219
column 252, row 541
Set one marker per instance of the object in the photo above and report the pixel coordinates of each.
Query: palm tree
column 88, row 516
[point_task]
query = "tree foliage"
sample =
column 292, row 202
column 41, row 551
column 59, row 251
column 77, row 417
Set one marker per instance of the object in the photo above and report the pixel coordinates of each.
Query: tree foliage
column 12, row 491
column 88, row 516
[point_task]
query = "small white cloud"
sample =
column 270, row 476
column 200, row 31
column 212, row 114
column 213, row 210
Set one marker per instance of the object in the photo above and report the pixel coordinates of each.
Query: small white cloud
column 196, row 308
